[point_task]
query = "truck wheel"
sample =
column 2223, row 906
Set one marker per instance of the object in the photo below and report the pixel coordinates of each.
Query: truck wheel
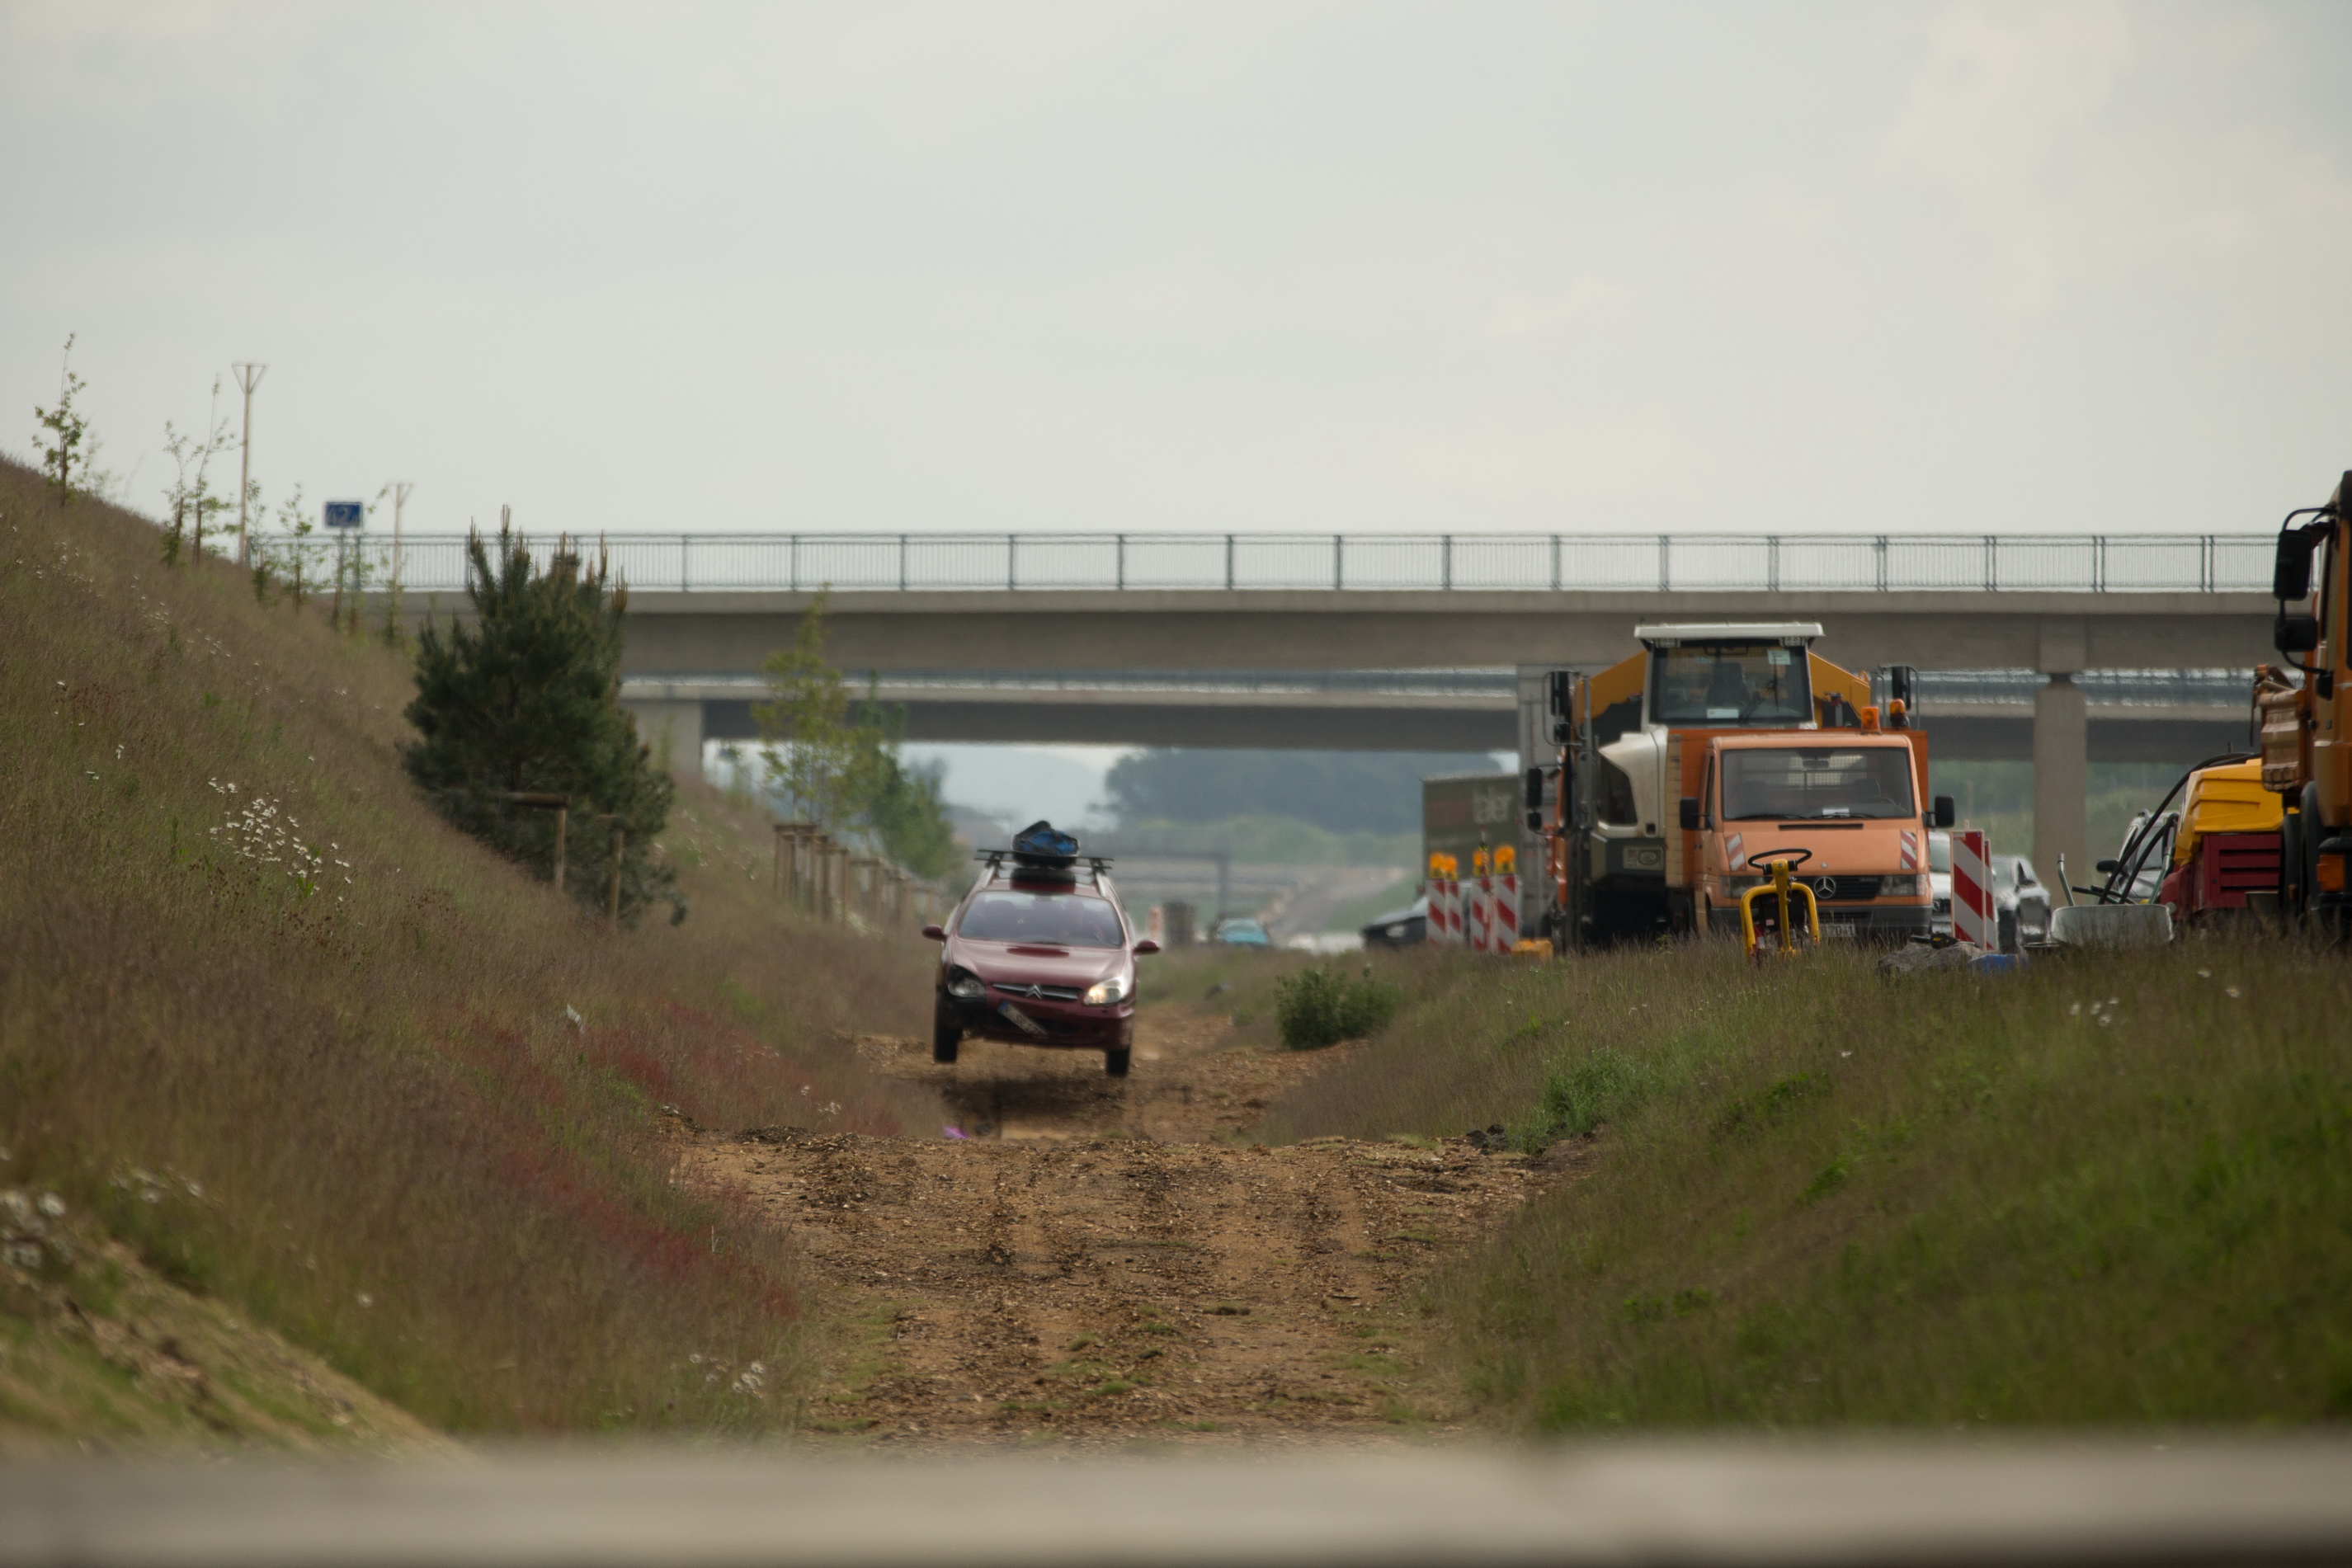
column 2007, row 926
column 1115, row 1060
column 947, row 1034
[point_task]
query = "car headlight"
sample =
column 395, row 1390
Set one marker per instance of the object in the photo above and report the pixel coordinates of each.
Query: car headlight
column 1102, row 993
column 967, row 986
column 1899, row 887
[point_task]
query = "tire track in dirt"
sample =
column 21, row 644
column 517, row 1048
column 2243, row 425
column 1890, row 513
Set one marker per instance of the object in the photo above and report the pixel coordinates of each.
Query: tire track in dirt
column 1107, row 1264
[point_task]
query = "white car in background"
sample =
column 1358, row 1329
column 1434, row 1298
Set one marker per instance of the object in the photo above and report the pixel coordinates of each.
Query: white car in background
column 1939, row 882
column 2021, row 903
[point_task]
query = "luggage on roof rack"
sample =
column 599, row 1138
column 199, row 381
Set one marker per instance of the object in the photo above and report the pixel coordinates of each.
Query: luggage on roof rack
column 1043, row 844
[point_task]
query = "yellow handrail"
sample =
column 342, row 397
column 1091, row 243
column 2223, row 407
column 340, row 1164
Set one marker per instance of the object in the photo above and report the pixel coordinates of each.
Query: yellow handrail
column 1779, row 887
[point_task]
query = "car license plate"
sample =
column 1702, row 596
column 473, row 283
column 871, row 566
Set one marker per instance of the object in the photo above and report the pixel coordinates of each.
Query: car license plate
column 1020, row 1020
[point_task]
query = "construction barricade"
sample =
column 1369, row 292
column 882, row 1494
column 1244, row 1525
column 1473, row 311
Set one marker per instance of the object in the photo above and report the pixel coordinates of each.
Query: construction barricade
column 1440, row 919
column 1477, row 903
column 1503, row 919
column 1973, row 918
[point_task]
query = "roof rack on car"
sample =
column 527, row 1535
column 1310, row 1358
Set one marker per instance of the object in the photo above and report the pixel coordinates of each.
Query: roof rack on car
column 1024, row 865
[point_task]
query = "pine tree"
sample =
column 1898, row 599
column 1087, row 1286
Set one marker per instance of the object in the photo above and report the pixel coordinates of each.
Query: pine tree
column 526, row 700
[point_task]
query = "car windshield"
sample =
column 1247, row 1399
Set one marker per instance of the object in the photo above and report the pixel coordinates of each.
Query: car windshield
column 1058, row 919
column 1805, row 783
column 1729, row 684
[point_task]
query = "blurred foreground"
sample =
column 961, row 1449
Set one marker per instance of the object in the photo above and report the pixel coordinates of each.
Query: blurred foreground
column 1888, row 1501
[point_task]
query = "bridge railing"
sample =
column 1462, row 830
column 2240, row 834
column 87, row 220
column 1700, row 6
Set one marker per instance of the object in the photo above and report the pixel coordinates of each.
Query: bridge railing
column 2081, row 563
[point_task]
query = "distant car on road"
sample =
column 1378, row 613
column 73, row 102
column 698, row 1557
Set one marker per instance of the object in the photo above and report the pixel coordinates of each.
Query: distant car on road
column 1939, row 882
column 2022, row 904
column 1407, row 927
column 1240, row 932
column 1039, row 952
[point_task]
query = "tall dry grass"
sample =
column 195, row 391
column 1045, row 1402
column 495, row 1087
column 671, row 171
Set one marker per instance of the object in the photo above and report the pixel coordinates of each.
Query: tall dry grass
column 411, row 1104
column 2114, row 1188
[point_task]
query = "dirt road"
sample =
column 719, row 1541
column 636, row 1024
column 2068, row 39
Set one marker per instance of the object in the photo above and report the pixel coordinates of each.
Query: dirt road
column 1098, row 1262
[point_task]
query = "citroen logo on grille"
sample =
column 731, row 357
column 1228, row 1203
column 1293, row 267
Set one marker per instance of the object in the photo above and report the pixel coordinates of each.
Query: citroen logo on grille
column 1034, row 993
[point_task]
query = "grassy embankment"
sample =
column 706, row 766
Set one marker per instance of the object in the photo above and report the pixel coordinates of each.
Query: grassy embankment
column 407, row 1106
column 2111, row 1189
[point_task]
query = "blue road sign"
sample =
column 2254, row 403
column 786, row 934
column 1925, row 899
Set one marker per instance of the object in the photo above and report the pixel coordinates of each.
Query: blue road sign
column 346, row 514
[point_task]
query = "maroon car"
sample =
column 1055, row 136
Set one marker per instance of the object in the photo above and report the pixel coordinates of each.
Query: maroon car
column 1039, row 955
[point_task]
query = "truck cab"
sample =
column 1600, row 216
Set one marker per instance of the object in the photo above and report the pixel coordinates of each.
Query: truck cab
column 1622, row 865
column 2306, row 723
column 1849, row 807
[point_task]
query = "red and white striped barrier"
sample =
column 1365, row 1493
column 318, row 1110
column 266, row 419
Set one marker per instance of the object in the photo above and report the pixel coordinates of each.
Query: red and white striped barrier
column 1972, row 901
column 1477, row 906
column 1444, row 927
column 1503, row 934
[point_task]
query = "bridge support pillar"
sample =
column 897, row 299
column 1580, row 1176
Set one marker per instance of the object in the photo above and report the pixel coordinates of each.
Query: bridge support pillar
column 2061, row 763
column 673, row 729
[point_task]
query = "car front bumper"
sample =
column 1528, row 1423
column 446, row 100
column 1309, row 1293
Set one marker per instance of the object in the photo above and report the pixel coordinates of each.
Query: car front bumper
column 1071, row 1025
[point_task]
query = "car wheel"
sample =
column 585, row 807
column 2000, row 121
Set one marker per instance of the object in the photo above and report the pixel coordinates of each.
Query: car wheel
column 1115, row 1060
column 947, row 1034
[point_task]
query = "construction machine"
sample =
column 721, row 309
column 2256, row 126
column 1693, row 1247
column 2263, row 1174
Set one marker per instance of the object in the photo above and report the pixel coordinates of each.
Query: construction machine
column 1685, row 769
column 2304, row 726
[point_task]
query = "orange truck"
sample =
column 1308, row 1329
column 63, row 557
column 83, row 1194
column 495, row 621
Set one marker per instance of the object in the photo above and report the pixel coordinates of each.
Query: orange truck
column 1685, row 768
column 2305, row 728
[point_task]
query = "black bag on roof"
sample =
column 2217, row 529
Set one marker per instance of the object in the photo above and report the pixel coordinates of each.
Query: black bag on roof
column 1043, row 844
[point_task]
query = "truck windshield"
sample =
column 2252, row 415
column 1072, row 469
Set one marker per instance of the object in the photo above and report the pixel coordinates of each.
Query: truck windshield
column 1799, row 783
column 1055, row 919
column 1729, row 684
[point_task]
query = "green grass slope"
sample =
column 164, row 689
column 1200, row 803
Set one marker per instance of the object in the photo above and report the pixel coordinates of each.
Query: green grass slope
column 311, row 1051
column 2113, row 1188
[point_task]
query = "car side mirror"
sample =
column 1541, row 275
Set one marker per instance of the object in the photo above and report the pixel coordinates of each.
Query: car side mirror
column 1145, row 948
column 1945, row 815
column 2295, row 634
column 935, row 934
column 1534, row 781
column 1535, row 821
column 1690, row 813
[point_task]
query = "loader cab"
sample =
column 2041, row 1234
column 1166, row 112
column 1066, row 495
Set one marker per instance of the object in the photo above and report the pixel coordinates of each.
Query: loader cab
column 1754, row 676
column 1722, row 677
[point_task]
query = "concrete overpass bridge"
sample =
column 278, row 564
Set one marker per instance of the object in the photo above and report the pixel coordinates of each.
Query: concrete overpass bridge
column 2133, row 716
column 1007, row 637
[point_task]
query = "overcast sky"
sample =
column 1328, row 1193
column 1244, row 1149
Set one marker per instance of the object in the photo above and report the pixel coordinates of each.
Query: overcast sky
column 1259, row 266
